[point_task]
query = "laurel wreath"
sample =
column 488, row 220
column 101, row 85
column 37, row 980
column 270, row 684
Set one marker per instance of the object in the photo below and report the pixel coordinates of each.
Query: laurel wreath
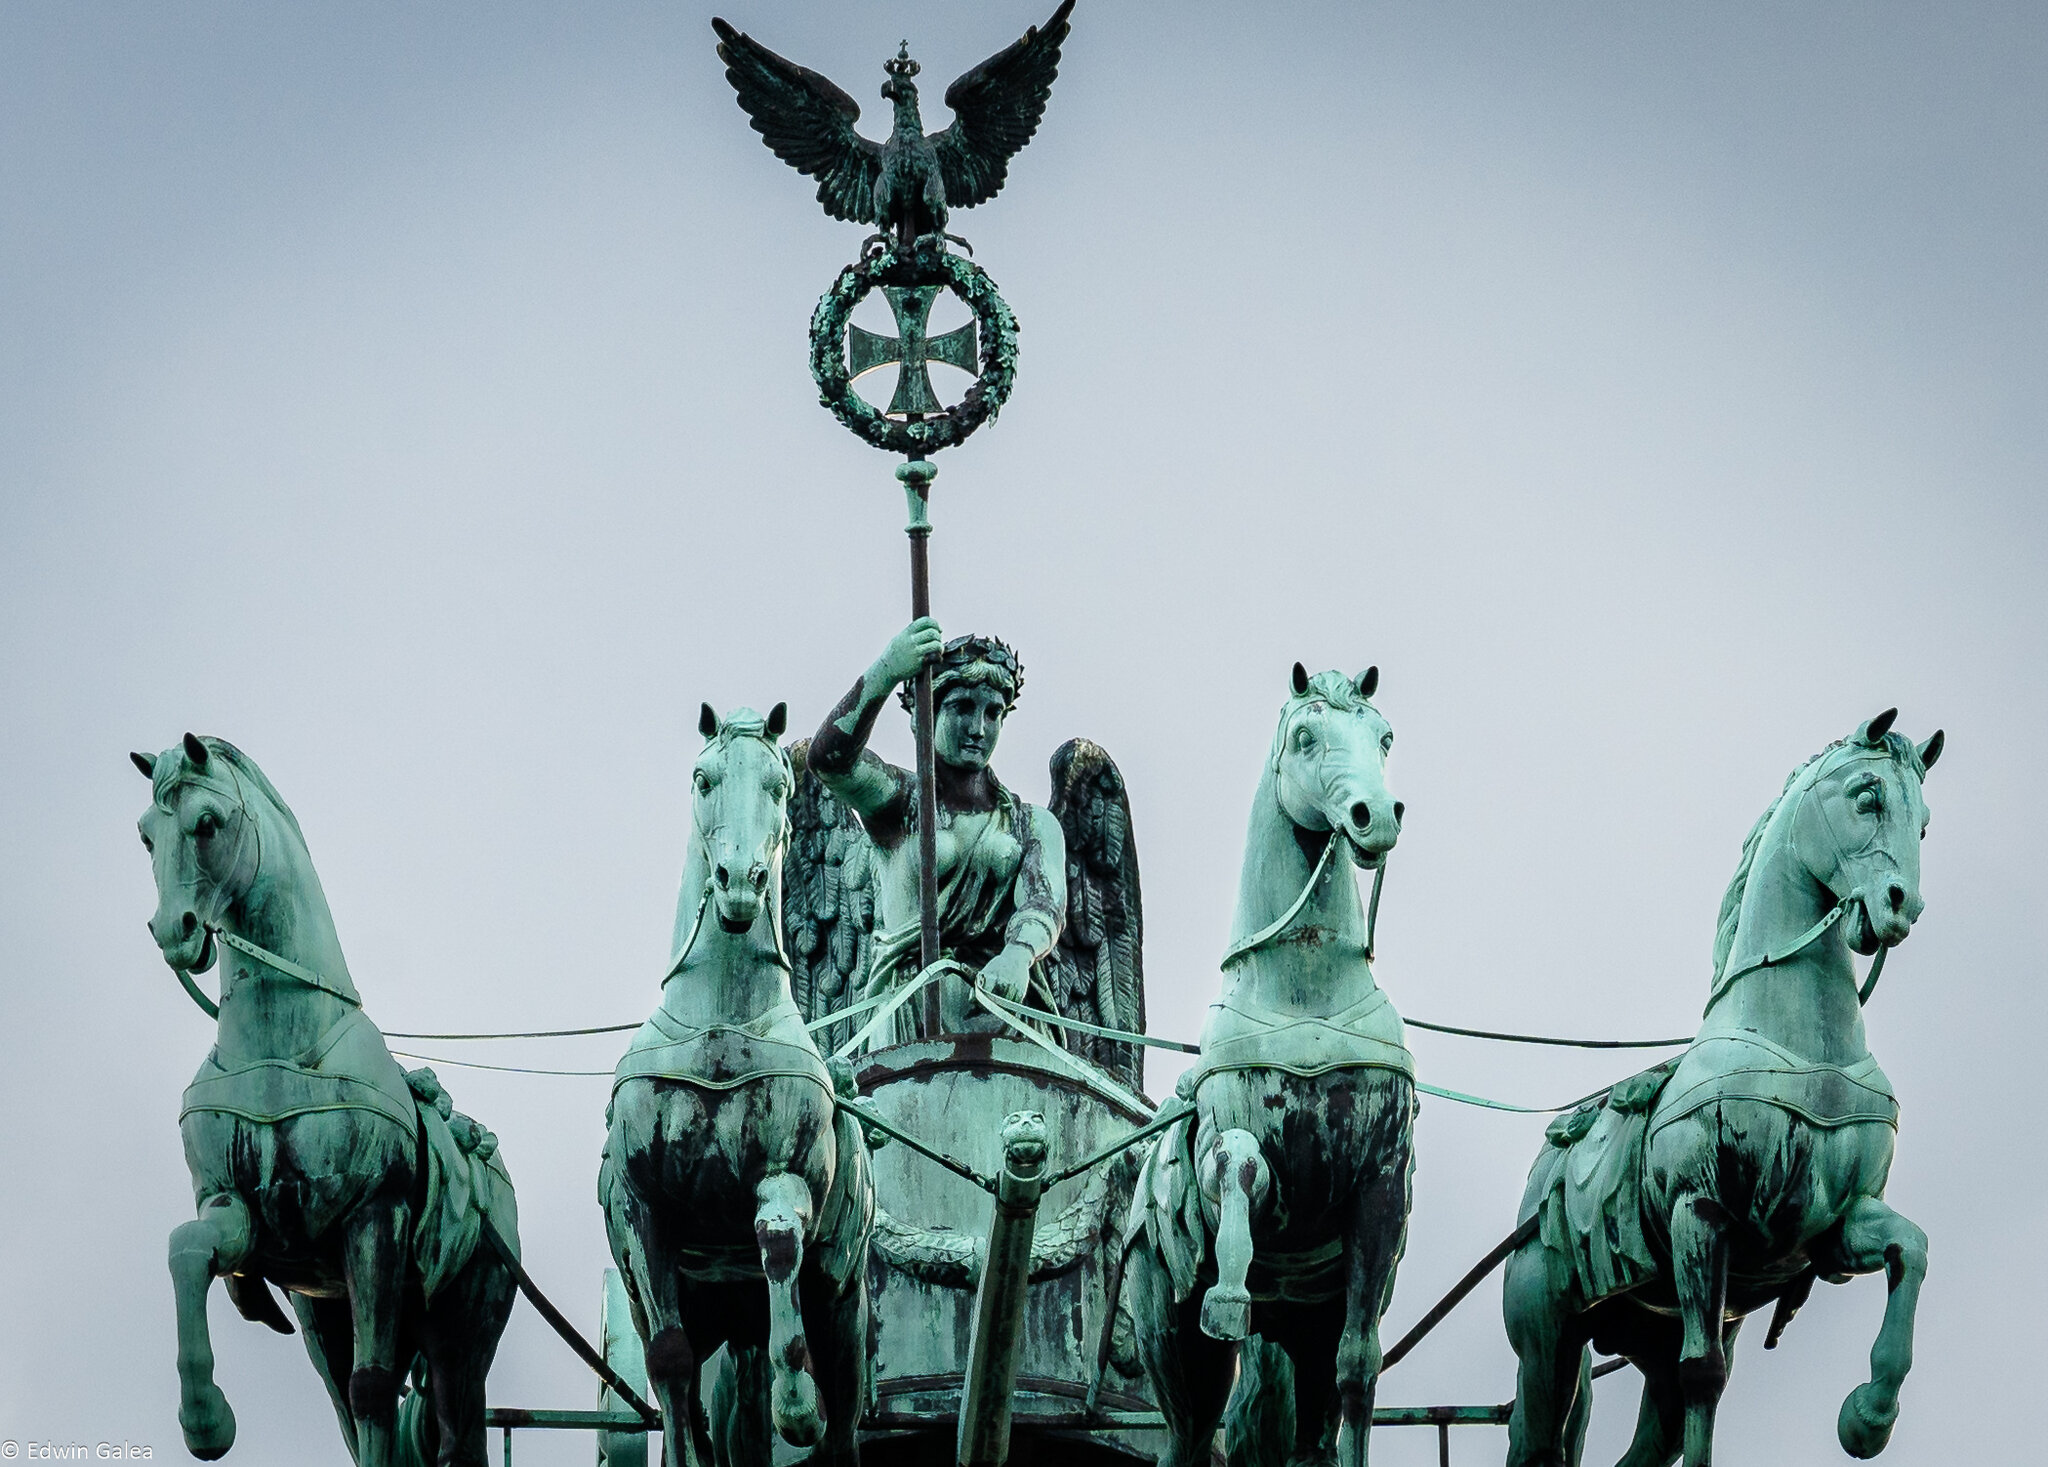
column 915, row 267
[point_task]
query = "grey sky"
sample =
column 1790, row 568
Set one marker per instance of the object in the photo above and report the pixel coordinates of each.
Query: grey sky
column 416, row 396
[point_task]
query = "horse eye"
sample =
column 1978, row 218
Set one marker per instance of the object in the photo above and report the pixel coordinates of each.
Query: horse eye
column 150, row 846
column 703, row 782
column 1387, row 744
column 1866, row 801
column 206, row 825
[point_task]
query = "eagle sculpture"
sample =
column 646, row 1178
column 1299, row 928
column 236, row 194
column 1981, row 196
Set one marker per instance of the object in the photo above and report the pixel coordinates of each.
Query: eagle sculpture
column 904, row 186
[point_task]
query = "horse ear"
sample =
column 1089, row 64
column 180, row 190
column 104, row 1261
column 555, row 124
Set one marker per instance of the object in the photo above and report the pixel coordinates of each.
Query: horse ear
column 1300, row 680
column 707, row 722
column 1368, row 682
column 778, row 720
column 195, row 751
column 1931, row 750
column 1873, row 732
column 146, row 763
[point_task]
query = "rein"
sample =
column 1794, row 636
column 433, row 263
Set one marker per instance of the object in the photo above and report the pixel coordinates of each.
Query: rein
column 1273, row 929
column 276, row 962
column 1800, row 944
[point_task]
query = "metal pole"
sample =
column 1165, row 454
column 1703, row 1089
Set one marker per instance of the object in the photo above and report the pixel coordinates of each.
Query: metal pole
column 992, row 1346
column 917, row 476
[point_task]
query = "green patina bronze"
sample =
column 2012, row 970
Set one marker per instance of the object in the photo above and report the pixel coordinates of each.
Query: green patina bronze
column 318, row 1165
column 915, row 421
column 1279, row 1209
column 736, row 1190
column 1662, row 1214
column 911, row 348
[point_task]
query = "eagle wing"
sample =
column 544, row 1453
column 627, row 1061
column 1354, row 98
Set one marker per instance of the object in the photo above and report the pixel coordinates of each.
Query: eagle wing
column 828, row 899
column 1097, row 971
column 806, row 121
column 996, row 108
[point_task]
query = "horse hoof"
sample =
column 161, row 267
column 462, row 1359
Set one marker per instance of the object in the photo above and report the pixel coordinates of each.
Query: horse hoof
column 794, row 1406
column 1864, row 1427
column 1226, row 1313
column 208, row 1423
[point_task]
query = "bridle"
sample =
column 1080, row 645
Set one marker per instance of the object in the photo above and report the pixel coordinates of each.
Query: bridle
column 245, row 823
column 1841, row 908
column 702, row 838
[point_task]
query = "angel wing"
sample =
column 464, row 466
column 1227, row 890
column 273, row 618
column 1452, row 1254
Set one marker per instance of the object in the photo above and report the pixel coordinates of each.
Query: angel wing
column 807, row 122
column 996, row 109
column 828, row 898
column 1097, row 971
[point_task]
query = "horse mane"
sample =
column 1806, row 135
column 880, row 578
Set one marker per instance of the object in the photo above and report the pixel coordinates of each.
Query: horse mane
column 244, row 766
column 1901, row 750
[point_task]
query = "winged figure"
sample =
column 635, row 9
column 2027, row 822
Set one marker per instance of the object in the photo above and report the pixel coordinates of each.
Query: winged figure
column 904, row 186
column 1042, row 901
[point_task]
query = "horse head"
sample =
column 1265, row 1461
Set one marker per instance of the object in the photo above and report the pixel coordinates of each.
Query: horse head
column 1329, row 762
column 742, row 780
column 203, row 842
column 1858, row 824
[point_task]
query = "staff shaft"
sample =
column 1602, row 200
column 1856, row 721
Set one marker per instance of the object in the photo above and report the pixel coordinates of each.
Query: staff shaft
column 917, row 475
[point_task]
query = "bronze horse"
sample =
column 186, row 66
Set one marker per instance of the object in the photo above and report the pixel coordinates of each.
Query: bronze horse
column 1288, row 1195
column 737, row 1193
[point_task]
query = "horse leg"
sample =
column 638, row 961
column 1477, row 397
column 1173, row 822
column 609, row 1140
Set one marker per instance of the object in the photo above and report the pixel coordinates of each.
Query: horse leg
column 671, row 1358
column 213, row 1243
column 1660, row 1420
column 330, row 1344
column 459, row 1336
column 1873, row 1237
column 1189, row 1371
column 839, row 1321
column 781, row 1221
column 374, row 1267
column 1243, row 1183
column 1549, row 1357
column 1378, row 1224
column 1699, row 1266
column 1259, row 1418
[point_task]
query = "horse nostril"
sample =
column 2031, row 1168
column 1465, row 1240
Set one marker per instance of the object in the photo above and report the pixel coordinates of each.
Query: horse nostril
column 1399, row 810
column 191, row 923
column 1361, row 815
column 1898, row 897
column 758, row 878
column 723, row 877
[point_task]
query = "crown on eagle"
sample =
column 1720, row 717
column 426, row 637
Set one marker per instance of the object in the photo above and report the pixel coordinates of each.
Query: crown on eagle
column 900, row 64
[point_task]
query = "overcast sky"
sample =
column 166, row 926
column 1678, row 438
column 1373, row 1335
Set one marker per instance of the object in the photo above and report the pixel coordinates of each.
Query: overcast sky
column 417, row 396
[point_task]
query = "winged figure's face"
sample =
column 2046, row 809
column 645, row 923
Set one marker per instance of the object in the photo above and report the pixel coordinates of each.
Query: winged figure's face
column 966, row 724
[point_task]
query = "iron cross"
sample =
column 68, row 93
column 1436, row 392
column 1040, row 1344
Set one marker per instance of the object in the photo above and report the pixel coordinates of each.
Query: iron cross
column 866, row 352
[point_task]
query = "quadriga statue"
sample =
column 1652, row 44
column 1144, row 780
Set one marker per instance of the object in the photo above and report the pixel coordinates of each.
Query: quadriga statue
column 1282, row 1208
column 1736, row 1175
column 318, row 1165
column 737, row 1194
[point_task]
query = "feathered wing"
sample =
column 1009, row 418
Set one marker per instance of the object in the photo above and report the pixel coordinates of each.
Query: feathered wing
column 807, row 122
column 996, row 109
column 828, row 899
column 1097, row 971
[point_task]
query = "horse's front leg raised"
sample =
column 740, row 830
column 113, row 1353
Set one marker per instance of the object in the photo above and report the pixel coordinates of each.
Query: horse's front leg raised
column 1379, row 1221
column 781, row 1222
column 374, row 1267
column 1874, row 1237
column 214, row 1243
column 1699, row 1264
column 1236, row 1175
